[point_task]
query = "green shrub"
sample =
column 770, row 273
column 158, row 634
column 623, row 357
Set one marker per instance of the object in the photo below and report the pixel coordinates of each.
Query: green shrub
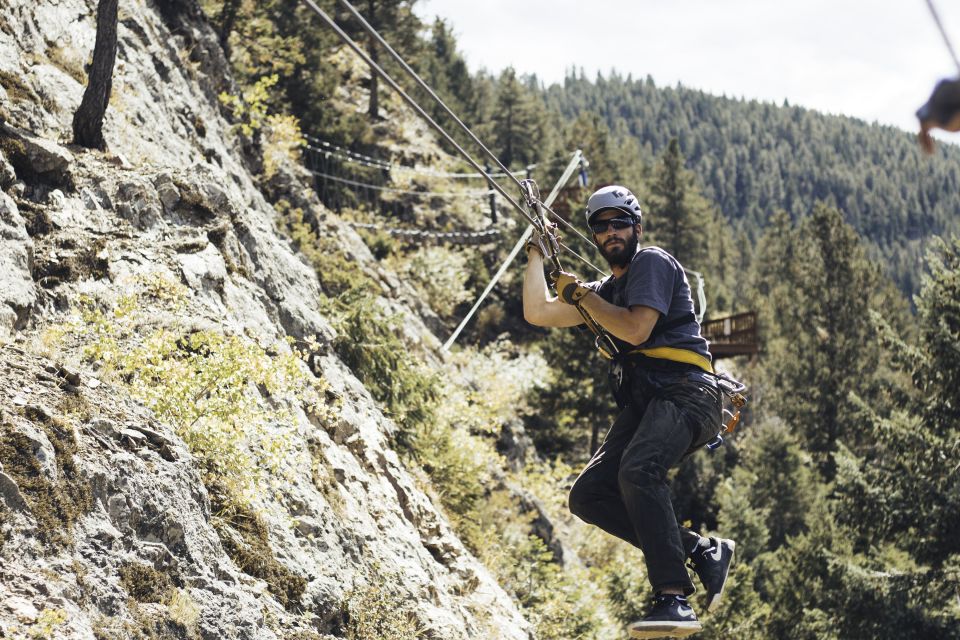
column 376, row 609
column 48, row 624
column 282, row 143
column 439, row 274
column 222, row 394
column 250, row 109
column 368, row 341
column 560, row 605
column 336, row 272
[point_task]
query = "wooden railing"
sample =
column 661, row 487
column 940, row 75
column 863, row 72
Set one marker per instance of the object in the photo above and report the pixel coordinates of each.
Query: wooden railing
column 734, row 335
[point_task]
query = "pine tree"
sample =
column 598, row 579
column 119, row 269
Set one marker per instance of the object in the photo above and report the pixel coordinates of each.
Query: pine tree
column 396, row 23
column 679, row 214
column 518, row 121
column 814, row 288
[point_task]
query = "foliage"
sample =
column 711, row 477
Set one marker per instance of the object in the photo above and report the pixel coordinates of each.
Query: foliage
column 493, row 385
column 556, row 602
column 519, row 121
column 250, row 109
column 907, row 483
column 48, row 623
column 368, row 340
column 814, row 288
column 439, row 274
column 578, row 403
column 679, row 211
column 338, row 273
column 223, row 394
column 282, row 144
column 376, row 609
column 256, row 118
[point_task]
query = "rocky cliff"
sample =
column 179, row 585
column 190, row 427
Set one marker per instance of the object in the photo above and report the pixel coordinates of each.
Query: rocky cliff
column 112, row 525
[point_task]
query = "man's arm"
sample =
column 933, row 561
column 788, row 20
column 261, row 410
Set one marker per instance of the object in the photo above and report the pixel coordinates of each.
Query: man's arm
column 631, row 325
column 539, row 307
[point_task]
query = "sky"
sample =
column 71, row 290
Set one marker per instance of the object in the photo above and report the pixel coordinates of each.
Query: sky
column 874, row 60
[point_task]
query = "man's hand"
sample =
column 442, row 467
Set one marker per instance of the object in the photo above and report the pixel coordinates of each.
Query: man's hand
column 534, row 243
column 569, row 289
column 540, row 243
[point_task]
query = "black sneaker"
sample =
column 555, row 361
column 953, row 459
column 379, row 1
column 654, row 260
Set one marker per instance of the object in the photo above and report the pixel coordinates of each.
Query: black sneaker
column 712, row 565
column 670, row 617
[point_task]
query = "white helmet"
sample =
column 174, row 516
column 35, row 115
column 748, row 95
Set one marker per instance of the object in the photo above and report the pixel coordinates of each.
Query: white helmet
column 613, row 197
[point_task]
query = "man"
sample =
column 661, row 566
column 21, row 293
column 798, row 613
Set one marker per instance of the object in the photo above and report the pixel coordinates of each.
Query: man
column 669, row 398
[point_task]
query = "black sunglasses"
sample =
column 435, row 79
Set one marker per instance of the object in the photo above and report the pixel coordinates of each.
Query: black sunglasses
column 617, row 224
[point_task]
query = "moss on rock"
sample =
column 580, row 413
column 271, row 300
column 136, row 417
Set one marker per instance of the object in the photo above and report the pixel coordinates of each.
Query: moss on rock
column 55, row 506
column 245, row 538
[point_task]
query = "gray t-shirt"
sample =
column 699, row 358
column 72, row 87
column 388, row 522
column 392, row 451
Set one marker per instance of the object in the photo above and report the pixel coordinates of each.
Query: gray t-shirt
column 655, row 279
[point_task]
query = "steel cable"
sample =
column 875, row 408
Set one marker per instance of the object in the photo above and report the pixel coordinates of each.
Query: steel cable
column 413, row 103
column 423, row 85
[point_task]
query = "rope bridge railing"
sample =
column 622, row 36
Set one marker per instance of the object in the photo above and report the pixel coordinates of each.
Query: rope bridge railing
column 419, row 236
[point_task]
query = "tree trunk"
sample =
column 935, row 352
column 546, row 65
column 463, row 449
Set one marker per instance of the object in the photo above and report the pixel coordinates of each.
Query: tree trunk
column 88, row 120
column 373, row 111
column 228, row 17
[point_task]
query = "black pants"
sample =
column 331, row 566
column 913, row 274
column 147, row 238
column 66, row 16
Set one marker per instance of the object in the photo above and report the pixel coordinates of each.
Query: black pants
column 623, row 490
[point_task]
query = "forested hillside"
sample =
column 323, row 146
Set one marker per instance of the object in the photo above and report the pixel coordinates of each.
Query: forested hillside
column 752, row 158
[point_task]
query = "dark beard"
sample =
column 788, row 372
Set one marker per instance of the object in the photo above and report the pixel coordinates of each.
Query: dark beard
column 621, row 255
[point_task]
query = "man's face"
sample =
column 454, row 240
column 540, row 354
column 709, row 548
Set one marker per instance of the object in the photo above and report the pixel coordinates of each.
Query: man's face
column 617, row 246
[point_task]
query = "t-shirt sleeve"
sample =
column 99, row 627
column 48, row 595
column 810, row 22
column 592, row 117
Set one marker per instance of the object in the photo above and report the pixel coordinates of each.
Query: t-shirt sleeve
column 595, row 285
column 652, row 279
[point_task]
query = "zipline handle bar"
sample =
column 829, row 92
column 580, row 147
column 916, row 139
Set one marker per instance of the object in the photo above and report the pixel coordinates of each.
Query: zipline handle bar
column 548, row 237
column 564, row 178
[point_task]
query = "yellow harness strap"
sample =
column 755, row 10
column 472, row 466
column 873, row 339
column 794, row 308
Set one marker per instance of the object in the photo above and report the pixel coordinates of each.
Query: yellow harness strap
column 677, row 355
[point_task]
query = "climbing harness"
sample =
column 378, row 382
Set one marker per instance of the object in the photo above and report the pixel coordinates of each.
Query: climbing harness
column 733, row 389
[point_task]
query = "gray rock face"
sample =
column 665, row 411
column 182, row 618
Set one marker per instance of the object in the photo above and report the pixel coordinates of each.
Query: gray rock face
column 17, row 289
column 127, row 537
column 36, row 156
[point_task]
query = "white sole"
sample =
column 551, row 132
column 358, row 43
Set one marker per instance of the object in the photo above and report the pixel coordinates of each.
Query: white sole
column 714, row 602
column 664, row 629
